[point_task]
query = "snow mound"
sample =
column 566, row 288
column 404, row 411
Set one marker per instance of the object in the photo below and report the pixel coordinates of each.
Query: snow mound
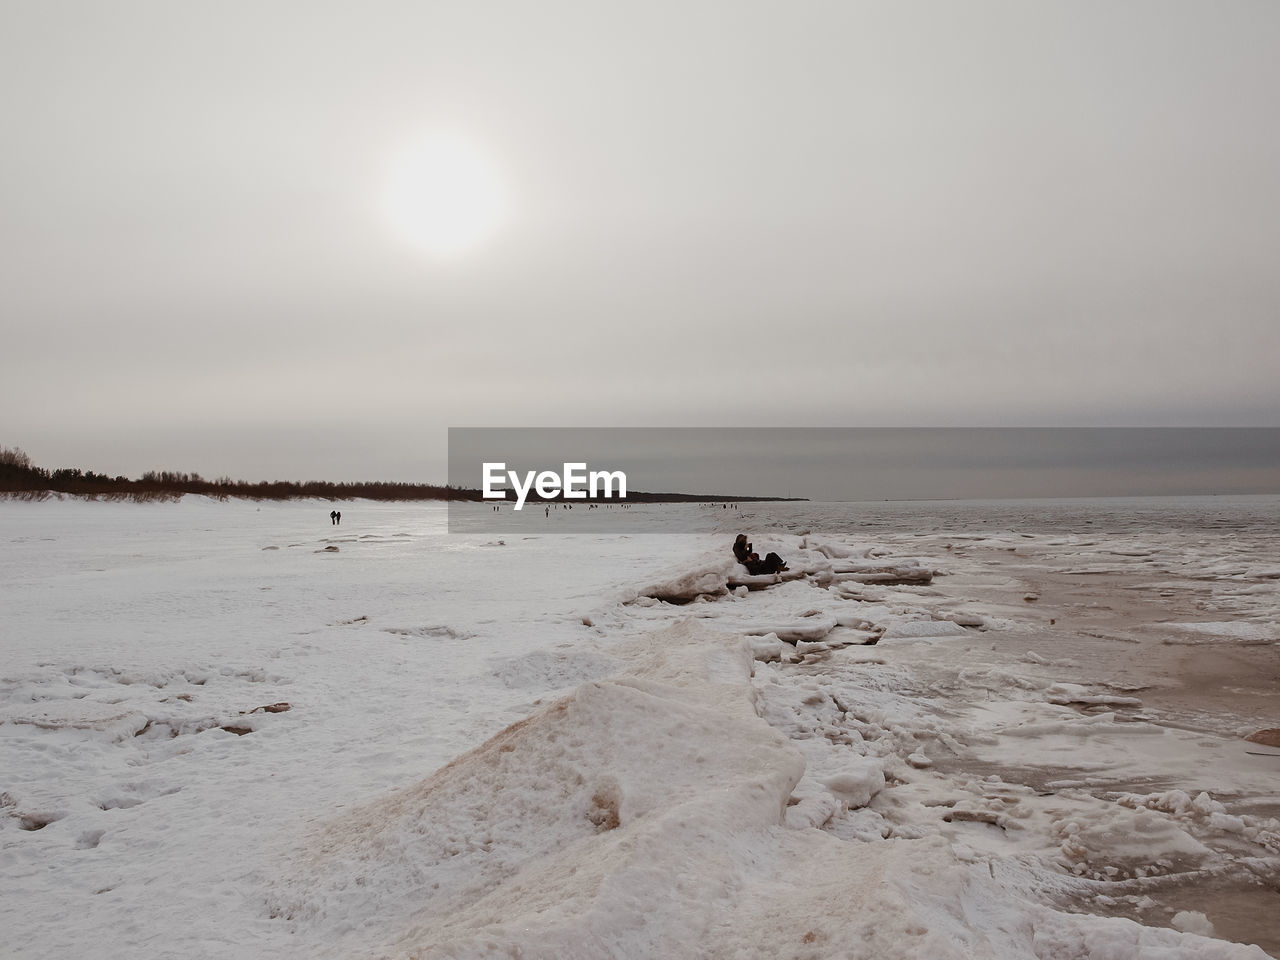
column 114, row 721
column 573, row 826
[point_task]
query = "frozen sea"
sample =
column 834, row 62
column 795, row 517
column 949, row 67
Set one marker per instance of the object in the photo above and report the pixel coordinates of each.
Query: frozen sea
column 956, row 729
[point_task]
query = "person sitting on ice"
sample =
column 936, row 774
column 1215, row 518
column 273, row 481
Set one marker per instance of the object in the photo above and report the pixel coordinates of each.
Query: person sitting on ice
column 743, row 553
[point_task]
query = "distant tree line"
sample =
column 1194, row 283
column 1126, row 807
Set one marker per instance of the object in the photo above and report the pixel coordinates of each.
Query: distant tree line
column 21, row 479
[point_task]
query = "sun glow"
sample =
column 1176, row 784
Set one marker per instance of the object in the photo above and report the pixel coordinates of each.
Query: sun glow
column 444, row 196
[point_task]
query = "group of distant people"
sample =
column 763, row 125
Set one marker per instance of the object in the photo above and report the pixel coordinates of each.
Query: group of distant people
column 335, row 517
column 745, row 555
column 547, row 508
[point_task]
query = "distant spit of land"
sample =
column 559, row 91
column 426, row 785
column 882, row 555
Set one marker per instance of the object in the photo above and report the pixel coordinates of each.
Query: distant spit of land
column 20, row 479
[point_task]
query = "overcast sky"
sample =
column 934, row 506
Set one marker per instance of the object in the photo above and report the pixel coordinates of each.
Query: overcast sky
column 740, row 213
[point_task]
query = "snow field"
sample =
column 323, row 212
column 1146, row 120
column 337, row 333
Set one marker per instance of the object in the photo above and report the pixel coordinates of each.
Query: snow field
column 889, row 754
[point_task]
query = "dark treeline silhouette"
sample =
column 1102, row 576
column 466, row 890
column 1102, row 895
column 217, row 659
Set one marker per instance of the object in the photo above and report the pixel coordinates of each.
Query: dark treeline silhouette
column 19, row 478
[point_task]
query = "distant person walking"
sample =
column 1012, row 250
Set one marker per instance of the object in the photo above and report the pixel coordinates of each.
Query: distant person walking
column 339, row 518
column 333, row 516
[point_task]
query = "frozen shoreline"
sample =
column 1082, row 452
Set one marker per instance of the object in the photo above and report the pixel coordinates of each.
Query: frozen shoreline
column 677, row 801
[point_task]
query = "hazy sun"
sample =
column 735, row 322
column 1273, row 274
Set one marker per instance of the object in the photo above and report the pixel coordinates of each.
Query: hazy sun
column 444, row 195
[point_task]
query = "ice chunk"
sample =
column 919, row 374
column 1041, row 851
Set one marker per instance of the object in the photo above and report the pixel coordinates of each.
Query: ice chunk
column 882, row 571
column 1069, row 693
column 859, row 782
column 1192, row 921
column 707, row 580
column 809, row 629
column 767, row 648
column 922, row 629
column 1234, row 631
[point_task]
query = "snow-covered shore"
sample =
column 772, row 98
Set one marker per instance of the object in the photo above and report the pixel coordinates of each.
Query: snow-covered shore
column 941, row 744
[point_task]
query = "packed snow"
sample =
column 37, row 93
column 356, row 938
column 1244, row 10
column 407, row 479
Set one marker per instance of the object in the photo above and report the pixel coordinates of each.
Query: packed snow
column 963, row 730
